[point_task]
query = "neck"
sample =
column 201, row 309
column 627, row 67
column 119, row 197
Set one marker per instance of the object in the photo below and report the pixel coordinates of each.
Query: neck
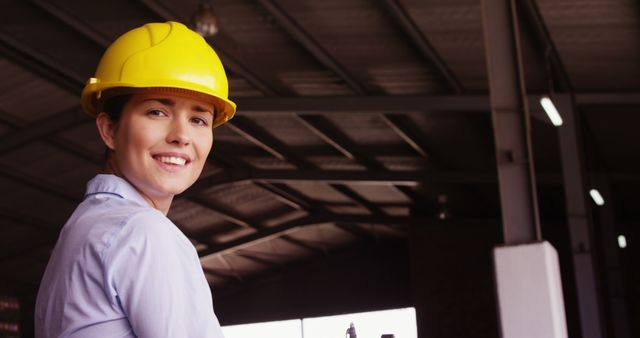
column 161, row 204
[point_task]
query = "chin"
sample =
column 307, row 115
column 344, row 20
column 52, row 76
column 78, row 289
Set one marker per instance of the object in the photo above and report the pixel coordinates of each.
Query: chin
column 176, row 188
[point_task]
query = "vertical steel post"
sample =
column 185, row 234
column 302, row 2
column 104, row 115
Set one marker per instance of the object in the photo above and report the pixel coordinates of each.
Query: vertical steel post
column 615, row 292
column 517, row 193
column 589, row 304
column 527, row 272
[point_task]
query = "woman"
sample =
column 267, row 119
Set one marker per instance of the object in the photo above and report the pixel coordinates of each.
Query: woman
column 120, row 267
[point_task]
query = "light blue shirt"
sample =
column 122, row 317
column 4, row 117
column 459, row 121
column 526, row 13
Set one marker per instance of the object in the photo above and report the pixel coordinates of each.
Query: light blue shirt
column 122, row 269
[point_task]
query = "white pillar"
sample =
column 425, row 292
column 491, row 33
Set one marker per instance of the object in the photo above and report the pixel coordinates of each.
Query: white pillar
column 530, row 299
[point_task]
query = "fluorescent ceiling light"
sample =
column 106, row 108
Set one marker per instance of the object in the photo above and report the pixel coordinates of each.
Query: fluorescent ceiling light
column 597, row 198
column 551, row 111
column 622, row 241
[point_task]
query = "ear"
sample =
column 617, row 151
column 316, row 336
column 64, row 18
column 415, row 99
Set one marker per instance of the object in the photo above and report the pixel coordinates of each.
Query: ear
column 107, row 130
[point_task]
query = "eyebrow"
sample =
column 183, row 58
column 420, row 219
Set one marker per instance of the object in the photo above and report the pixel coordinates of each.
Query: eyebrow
column 172, row 103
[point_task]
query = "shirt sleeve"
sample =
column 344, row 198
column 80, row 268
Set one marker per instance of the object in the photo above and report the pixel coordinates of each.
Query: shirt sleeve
column 154, row 275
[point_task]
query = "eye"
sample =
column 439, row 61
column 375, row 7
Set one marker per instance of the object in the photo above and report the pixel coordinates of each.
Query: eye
column 199, row 121
column 156, row 112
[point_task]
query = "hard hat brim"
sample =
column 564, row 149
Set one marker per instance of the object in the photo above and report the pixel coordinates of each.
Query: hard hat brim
column 93, row 97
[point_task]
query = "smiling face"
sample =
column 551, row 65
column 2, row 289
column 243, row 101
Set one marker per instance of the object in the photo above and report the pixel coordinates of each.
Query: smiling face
column 160, row 144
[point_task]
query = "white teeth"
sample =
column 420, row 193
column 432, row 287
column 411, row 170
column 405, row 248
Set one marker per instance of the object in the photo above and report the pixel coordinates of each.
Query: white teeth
column 172, row 160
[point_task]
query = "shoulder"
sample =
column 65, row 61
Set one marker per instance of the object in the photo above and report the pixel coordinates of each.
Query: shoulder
column 143, row 224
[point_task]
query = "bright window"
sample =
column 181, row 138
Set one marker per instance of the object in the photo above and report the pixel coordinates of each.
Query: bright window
column 399, row 322
column 280, row 329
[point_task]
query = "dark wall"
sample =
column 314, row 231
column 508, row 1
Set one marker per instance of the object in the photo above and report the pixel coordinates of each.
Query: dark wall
column 371, row 277
column 452, row 274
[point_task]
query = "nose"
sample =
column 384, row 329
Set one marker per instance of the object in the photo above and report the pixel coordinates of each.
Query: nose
column 178, row 132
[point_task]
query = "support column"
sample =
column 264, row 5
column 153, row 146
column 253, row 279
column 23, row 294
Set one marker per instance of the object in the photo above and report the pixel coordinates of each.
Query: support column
column 615, row 292
column 517, row 194
column 527, row 310
column 578, row 219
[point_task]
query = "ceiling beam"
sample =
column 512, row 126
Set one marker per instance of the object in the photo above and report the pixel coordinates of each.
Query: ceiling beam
column 61, row 143
column 252, row 257
column 318, row 124
column 372, row 177
column 367, row 177
column 45, row 67
column 413, row 32
column 359, row 199
column 327, row 131
column 549, row 53
column 233, row 217
column 43, row 128
column 239, row 69
column 330, row 138
column 327, row 218
column 434, row 104
column 398, row 125
column 313, row 207
column 464, row 104
column 599, row 99
column 225, row 212
column 310, row 44
column 263, row 139
column 73, row 23
column 262, row 235
column 286, row 195
column 37, row 183
column 252, row 133
column 219, row 274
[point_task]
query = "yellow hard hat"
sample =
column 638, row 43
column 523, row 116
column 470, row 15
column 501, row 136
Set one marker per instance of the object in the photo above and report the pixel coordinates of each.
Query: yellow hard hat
column 164, row 56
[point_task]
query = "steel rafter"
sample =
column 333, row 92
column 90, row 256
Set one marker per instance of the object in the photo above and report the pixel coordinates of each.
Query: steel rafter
column 39, row 184
column 47, row 68
column 318, row 124
column 413, row 32
column 245, row 254
column 395, row 122
column 330, row 218
column 285, row 195
column 308, row 122
column 72, row 22
column 376, row 177
column 220, row 274
column 538, row 29
column 327, row 131
column 370, row 177
column 310, row 44
column 359, row 199
column 435, row 105
column 260, row 137
column 225, row 212
column 43, row 128
column 432, row 104
column 284, row 191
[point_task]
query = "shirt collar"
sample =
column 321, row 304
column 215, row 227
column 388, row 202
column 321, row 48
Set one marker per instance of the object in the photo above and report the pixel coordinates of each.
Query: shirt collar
column 114, row 185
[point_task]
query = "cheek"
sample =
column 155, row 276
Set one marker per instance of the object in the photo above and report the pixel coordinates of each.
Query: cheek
column 140, row 139
column 205, row 143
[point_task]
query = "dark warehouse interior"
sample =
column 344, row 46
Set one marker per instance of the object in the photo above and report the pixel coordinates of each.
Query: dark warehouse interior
column 360, row 172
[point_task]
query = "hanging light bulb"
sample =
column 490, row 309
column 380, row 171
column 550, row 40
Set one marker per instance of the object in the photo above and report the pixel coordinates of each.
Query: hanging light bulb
column 204, row 20
column 443, row 211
